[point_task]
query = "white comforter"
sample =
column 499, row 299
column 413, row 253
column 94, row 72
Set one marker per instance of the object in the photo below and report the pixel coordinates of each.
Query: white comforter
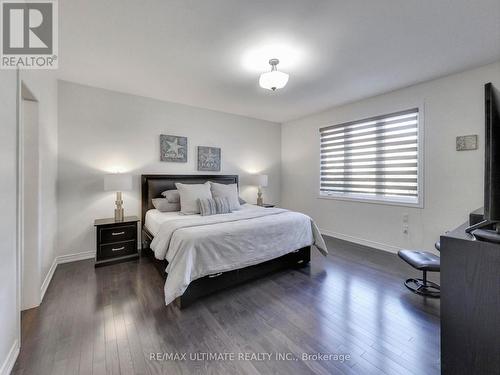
column 202, row 245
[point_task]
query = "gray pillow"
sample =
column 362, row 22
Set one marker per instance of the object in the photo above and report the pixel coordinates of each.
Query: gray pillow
column 172, row 196
column 222, row 205
column 214, row 206
column 207, row 207
column 241, row 200
column 229, row 191
column 163, row 205
column 189, row 195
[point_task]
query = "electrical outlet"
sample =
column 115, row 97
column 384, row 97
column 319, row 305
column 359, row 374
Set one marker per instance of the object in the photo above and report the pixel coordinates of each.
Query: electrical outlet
column 406, row 227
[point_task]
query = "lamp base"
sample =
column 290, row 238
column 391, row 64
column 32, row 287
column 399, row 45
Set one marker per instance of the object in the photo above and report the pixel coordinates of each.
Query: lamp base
column 119, row 214
column 260, row 201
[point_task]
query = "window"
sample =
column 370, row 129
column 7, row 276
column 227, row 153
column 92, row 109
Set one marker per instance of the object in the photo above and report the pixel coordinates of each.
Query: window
column 373, row 159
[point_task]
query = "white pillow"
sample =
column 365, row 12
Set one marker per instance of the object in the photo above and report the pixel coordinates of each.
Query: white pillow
column 189, row 195
column 172, row 196
column 227, row 191
column 163, row 205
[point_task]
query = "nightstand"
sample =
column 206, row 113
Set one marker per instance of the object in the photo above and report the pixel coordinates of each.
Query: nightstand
column 116, row 240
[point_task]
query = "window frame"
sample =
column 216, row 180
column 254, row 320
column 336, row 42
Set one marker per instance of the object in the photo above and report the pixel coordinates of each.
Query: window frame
column 374, row 199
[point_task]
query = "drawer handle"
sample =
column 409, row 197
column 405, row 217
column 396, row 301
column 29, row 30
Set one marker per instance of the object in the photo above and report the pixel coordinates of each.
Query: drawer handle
column 117, row 233
column 300, row 261
column 118, row 248
column 215, row 275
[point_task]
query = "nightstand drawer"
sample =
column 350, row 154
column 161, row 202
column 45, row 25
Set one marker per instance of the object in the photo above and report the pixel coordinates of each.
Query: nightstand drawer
column 118, row 234
column 117, row 249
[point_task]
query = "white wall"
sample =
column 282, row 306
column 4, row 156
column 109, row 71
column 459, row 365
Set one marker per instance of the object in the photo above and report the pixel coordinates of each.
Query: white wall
column 43, row 85
column 101, row 131
column 9, row 317
column 454, row 105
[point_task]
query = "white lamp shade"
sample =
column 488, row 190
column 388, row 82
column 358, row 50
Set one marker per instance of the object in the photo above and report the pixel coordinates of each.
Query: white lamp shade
column 261, row 180
column 273, row 80
column 117, row 182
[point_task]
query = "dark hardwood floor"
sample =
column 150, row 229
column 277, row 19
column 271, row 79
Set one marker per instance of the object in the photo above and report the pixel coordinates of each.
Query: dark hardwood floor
column 110, row 320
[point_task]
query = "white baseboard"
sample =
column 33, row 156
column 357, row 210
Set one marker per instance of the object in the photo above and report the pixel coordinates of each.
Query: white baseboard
column 48, row 278
column 361, row 241
column 75, row 257
column 9, row 362
column 60, row 260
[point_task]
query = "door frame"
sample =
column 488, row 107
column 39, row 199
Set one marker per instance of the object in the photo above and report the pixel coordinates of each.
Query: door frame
column 22, row 93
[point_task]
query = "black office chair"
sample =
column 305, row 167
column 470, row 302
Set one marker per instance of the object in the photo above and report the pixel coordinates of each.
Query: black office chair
column 425, row 262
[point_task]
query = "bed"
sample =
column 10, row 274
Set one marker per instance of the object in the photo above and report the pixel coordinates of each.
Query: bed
column 199, row 255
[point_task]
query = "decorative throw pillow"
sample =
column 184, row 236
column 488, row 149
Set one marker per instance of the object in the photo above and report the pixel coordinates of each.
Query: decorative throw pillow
column 241, row 200
column 207, row 207
column 222, row 205
column 189, row 195
column 228, row 191
column 163, row 205
column 172, row 196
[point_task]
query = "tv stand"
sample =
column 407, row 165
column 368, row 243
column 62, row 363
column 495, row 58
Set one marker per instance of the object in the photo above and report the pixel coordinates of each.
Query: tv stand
column 470, row 302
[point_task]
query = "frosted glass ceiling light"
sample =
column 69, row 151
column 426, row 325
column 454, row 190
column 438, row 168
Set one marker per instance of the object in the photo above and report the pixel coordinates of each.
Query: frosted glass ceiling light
column 274, row 79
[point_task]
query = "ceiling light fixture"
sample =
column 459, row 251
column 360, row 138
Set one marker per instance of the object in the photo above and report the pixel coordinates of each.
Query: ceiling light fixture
column 274, row 79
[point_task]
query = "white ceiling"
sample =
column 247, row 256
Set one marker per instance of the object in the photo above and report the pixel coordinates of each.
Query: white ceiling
column 209, row 53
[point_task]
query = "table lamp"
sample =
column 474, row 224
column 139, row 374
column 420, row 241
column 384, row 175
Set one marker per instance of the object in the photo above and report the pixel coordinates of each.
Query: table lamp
column 261, row 181
column 118, row 182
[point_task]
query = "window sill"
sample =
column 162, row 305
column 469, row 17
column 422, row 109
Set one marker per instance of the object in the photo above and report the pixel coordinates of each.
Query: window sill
column 365, row 199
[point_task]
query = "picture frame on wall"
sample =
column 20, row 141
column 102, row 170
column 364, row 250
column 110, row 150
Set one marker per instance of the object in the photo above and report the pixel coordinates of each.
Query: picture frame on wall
column 173, row 148
column 209, row 159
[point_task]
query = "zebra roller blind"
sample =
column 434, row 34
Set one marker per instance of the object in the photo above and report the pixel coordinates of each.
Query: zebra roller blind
column 375, row 158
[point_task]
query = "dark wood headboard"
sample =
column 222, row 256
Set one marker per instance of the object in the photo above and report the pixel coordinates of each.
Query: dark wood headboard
column 152, row 185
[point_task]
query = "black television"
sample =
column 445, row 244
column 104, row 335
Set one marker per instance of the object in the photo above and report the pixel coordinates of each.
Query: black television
column 490, row 226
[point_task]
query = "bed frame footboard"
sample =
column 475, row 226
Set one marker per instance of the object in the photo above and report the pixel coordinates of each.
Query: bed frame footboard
column 224, row 280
